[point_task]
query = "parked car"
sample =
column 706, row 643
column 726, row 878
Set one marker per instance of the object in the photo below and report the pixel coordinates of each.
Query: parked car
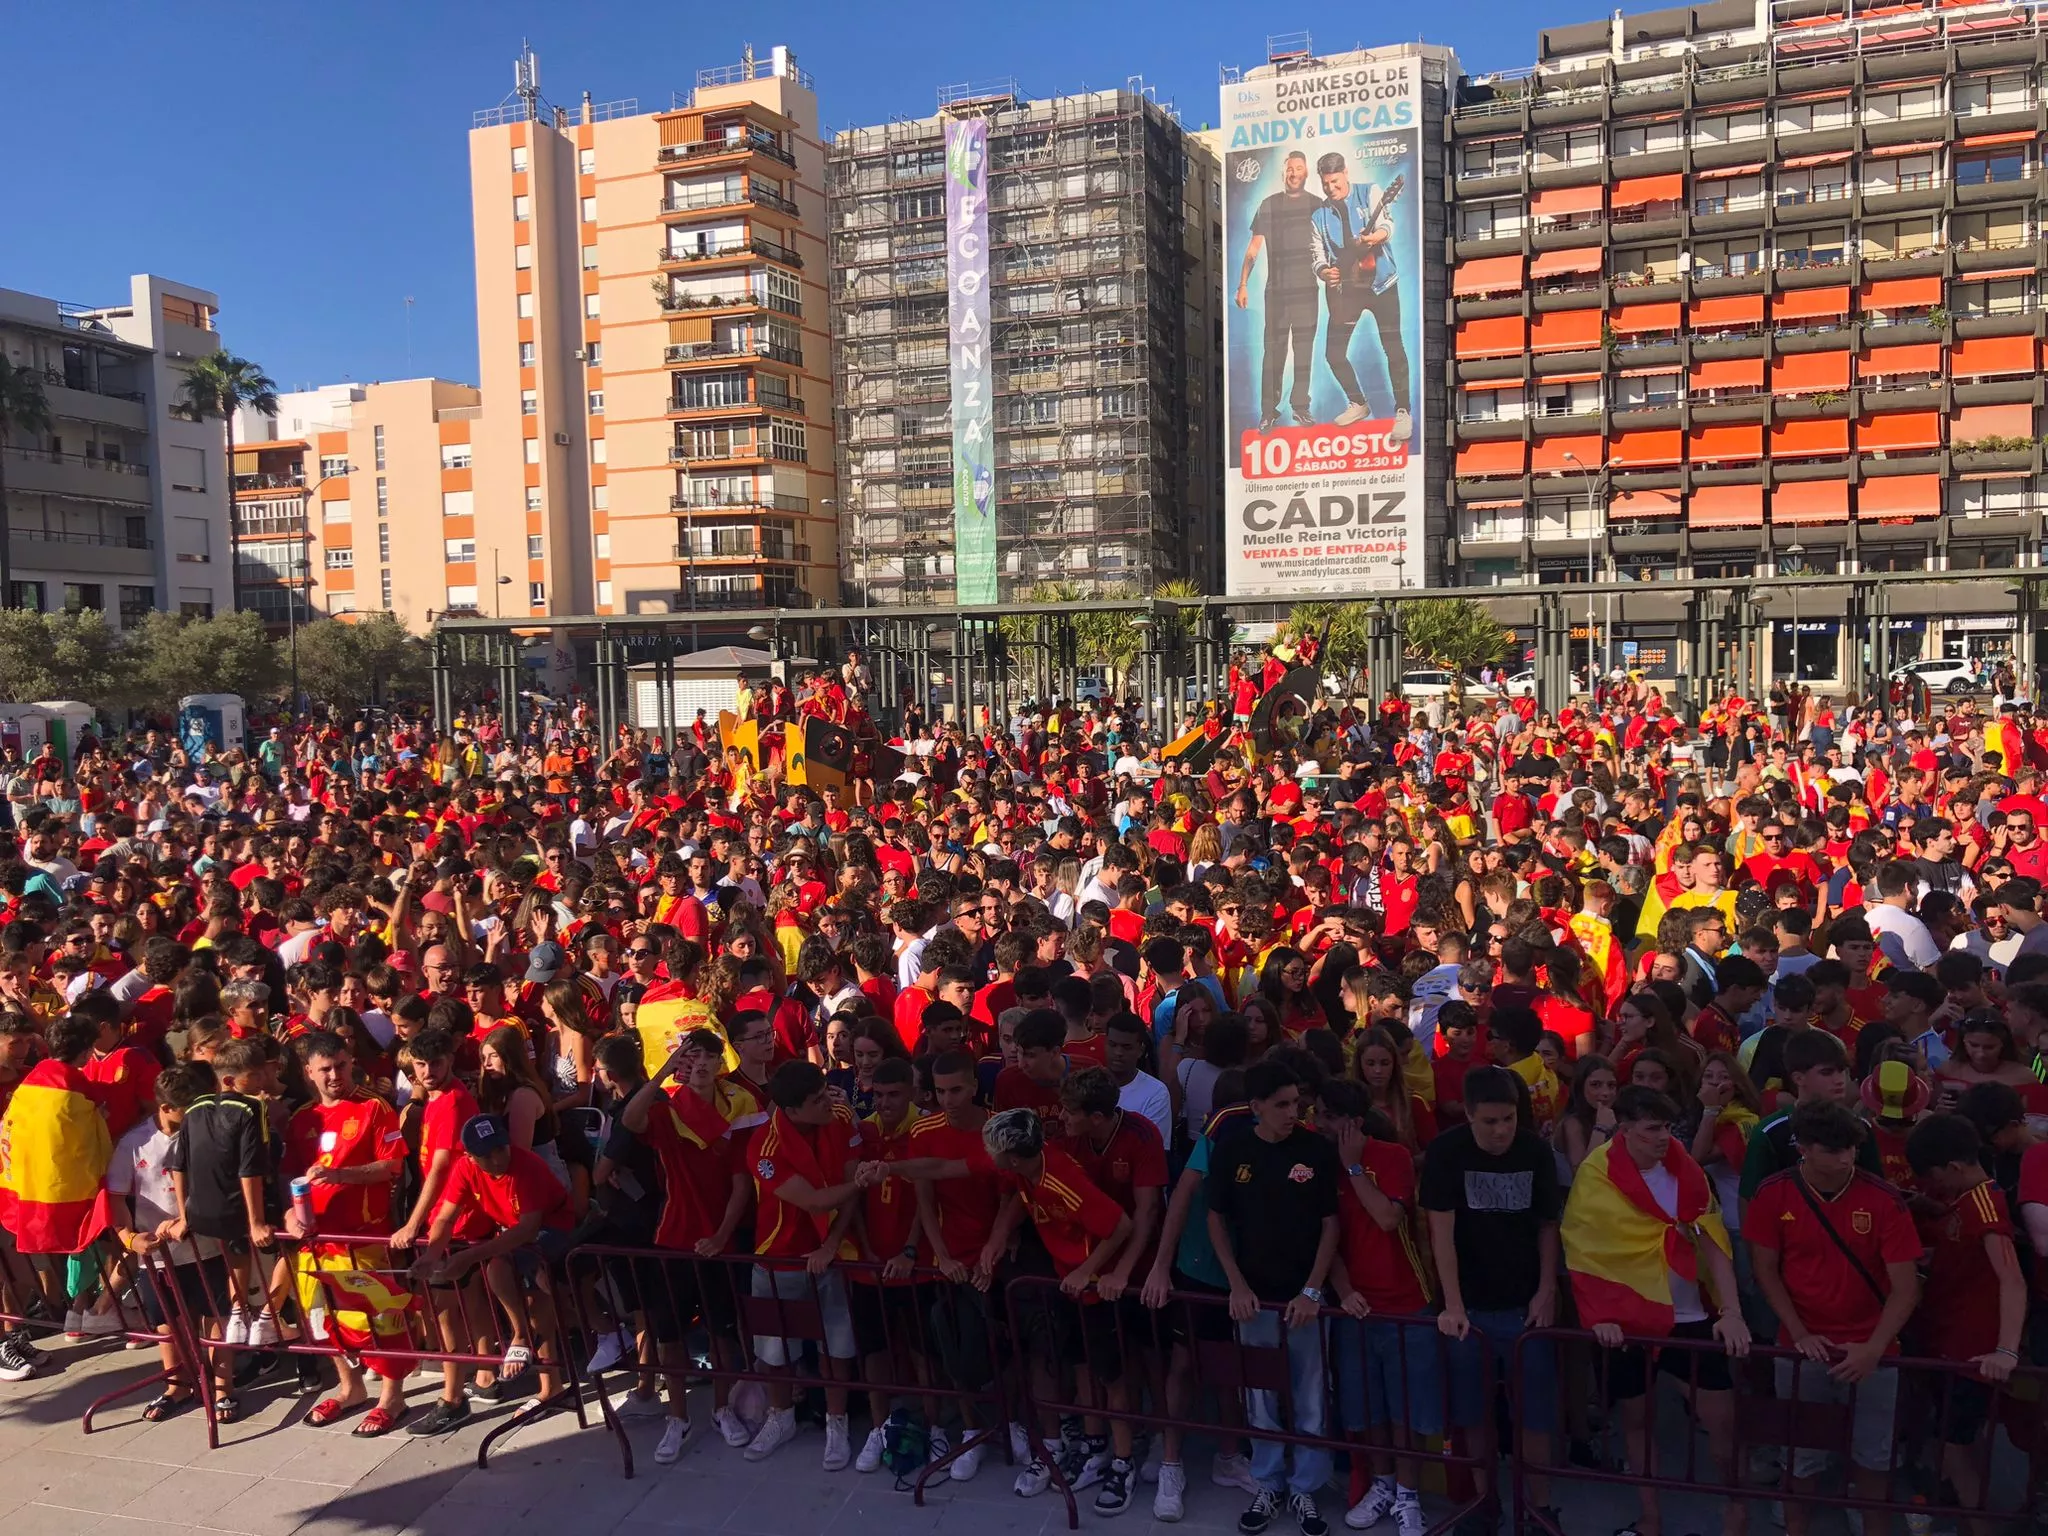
column 1944, row 676
column 1428, row 683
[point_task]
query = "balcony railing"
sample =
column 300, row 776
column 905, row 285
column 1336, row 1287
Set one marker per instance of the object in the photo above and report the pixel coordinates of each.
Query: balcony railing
column 755, row 143
column 97, row 540
column 731, row 248
column 774, row 500
column 700, row 351
column 33, row 455
column 688, row 453
column 1799, row 197
column 744, row 549
column 270, row 482
column 83, row 385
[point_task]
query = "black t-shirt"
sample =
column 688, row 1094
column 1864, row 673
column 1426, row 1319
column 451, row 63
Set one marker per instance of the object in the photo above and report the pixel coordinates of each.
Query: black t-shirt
column 225, row 1139
column 1941, row 874
column 1273, row 1196
column 1500, row 1204
column 1284, row 222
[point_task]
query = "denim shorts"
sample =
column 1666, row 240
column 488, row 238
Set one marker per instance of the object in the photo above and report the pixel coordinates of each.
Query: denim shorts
column 1537, row 1410
column 1388, row 1372
column 834, row 1313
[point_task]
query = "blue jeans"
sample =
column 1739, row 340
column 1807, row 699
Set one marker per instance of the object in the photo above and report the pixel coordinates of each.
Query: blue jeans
column 1387, row 1372
column 1306, row 1387
column 1469, row 1403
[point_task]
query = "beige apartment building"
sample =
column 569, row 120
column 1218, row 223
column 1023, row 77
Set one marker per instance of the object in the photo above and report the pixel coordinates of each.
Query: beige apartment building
column 357, row 497
column 651, row 298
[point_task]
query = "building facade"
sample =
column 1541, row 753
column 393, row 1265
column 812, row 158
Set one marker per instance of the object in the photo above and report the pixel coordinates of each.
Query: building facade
column 650, row 291
column 359, row 497
column 121, row 505
column 1101, row 304
column 1752, row 288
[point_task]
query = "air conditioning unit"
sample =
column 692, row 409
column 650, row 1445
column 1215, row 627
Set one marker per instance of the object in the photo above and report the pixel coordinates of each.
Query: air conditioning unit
column 561, row 439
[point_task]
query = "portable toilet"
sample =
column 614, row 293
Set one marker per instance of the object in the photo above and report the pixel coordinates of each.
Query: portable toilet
column 69, row 721
column 210, row 717
column 25, row 727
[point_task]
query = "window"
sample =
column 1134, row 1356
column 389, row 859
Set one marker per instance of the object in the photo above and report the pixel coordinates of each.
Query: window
column 136, row 604
column 1646, row 391
column 377, row 436
column 533, row 498
column 590, row 210
column 383, row 498
column 597, row 402
column 462, row 597
column 590, row 258
column 339, row 510
column 597, row 450
column 333, row 468
column 1996, row 229
column 536, row 593
column 526, row 306
column 1580, row 147
column 1827, row 247
column 1648, row 139
column 596, row 358
column 341, row 559
column 1728, row 130
column 25, row 594
column 1891, row 106
column 533, row 546
column 1821, row 184
column 522, row 206
column 787, row 440
column 458, row 503
column 1810, row 116
column 1724, row 568
column 785, row 293
column 586, row 162
column 341, row 602
column 529, row 402
column 526, row 354
column 604, row 594
column 1992, row 93
column 455, row 456
column 84, row 597
column 600, row 497
column 383, row 544
column 1894, row 557
column 1984, row 555
column 602, row 546
column 1901, row 173
column 2001, row 296
column 1984, row 170
column 1490, row 221
column 522, row 257
column 384, row 588
column 590, row 302
column 518, row 157
column 187, row 467
column 1494, row 405
column 459, row 551
column 532, row 450
column 1491, row 157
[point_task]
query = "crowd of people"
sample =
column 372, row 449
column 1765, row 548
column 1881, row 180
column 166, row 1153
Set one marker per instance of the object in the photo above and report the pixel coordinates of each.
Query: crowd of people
column 1385, row 1039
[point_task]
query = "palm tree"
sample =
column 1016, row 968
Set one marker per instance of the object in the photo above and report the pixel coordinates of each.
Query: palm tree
column 23, row 408
column 1454, row 633
column 219, row 385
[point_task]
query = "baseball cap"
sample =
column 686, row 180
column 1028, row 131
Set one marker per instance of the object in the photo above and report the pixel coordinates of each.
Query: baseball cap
column 484, row 1133
column 546, row 959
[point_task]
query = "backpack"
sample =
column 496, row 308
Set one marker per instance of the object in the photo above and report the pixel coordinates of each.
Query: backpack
column 906, row 1446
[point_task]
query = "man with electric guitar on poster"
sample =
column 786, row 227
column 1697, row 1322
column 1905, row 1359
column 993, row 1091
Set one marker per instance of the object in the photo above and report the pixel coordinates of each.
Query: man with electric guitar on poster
column 1352, row 260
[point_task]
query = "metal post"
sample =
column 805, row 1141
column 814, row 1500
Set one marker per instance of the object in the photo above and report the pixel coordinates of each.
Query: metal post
column 438, row 674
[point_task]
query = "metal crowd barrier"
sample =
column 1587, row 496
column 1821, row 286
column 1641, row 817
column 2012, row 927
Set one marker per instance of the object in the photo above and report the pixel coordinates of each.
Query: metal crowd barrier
column 118, row 1276
column 918, row 1321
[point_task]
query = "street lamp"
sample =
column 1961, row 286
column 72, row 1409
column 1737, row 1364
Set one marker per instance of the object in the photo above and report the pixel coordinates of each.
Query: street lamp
column 1791, row 565
column 1594, row 522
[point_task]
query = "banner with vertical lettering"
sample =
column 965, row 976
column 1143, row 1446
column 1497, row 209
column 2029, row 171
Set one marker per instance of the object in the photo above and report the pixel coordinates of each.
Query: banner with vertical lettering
column 973, row 369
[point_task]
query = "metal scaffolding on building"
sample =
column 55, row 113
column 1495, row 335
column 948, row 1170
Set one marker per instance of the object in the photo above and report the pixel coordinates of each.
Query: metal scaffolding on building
column 1088, row 278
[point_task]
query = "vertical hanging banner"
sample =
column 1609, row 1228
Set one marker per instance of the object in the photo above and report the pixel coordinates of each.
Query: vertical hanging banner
column 1323, row 399
column 967, row 343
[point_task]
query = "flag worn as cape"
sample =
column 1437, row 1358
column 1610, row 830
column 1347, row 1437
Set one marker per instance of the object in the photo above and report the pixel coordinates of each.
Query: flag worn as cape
column 1622, row 1248
column 54, row 1152
column 1604, row 955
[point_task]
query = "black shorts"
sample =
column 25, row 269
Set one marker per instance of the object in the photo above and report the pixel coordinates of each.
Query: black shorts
column 888, row 1317
column 1199, row 1322
column 1962, row 1404
column 546, row 1252
column 1628, row 1369
column 675, row 1292
column 201, row 1288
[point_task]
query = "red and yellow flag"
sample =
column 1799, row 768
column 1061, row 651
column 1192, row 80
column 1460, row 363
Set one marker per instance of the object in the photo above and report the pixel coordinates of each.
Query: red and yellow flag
column 1622, row 1248
column 54, row 1151
column 1604, row 956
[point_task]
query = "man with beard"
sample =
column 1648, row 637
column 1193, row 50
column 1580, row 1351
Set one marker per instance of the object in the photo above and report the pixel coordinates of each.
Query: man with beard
column 1282, row 221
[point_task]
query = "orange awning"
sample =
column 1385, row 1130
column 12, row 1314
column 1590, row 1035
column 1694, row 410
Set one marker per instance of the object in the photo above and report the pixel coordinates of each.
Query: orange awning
column 1487, row 274
column 1559, row 202
column 1729, row 309
column 1726, row 506
column 1973, row 423
column 1810, row 303
column 1635, row 191
column 1644, row 504
column 1724, row 172
column 1919, row 357
column 1811, row 501
column 1975, row 356
column 1802, row 162
column 1579, row 258
column 1649, row 449
column 1992, row 140
column 1645, row 317
column 1723, row 441
column 1899, row 431
column 1902, row 292
column 1895, row 151
column 1807, row 372
column 1727, row 373
column 1547, row 454
column 1495, row 336
column 1813, row 437
column 1565, row 330
column 1899, row 496
column 1477, row 384
column 1504, row 456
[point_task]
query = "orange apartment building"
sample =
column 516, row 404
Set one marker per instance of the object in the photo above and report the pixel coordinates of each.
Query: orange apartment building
column 651, row 293
column 358, row 497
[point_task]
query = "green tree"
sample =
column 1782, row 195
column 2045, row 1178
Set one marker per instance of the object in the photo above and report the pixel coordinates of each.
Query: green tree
column 87, row 659
column 25, row 650
column 1110, row 639
column 347, row 664
column 24, row 408
column 171, row 655
column 220, row 384
column 1454, row 633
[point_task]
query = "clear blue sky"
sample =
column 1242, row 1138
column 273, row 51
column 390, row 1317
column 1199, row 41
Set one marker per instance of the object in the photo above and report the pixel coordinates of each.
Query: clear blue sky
column 308, row 163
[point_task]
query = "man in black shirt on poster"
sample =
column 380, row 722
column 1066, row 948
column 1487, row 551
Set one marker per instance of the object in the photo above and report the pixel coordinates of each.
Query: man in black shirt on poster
column 1490, row 1187
column 1273, row 1220
column 1292, row 300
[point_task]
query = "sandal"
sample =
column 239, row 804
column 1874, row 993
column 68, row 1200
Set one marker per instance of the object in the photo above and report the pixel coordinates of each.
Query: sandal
column 377, row 1422
column 518, row 1359
column 327, row 1410
column 166, row 1405
column 225, row 1409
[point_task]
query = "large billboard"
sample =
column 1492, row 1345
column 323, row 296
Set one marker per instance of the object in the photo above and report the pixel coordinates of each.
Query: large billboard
column 1323, row 390
column 974, row 377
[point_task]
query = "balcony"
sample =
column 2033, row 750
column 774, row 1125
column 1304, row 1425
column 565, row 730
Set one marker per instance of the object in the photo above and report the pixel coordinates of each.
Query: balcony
column 708, row 199
column 773, row 501
column 94, row 540
column 740, row 144
column 745, row 546
column 78, row 380
column 87, row 478
column 709, row 351
column 764, row 400
column 738, row 450
column 269, row 483
column 688, row 255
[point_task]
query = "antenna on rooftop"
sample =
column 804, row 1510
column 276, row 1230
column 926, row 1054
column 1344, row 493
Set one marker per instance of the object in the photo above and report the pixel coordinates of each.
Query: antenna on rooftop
column 526, row 80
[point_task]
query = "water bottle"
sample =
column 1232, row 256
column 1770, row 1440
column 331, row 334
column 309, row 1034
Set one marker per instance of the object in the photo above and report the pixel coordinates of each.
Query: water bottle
column 302, row 1203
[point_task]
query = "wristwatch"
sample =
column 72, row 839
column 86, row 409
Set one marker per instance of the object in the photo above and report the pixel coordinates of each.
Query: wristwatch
column 1312, row 1294
column 1356, row 1170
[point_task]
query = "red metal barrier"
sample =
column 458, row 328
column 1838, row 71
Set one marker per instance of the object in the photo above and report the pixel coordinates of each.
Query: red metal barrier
column 662, row 1295
column 1902, row 1434
column 1259, row 1361
column 120, row 1281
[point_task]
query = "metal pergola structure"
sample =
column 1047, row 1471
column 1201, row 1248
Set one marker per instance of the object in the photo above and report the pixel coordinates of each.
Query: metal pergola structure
column 988, row 654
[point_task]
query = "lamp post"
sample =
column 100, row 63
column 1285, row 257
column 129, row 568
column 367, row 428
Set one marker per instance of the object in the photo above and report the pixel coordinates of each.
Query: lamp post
column 296, row 592
column 498, row 586
column 1594, row 478
column 1791, row 566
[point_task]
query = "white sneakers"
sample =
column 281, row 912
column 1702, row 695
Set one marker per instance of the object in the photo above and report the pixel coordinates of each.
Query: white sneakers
column 1351, row 413
column 1404, row 426
column 839, row 1443
column 1170, row 1502
column 776, row 1431
column 236, row 1329
column 1409, row 1519
column 673, row 1434
column 1233, row 1472
column 966, row 1464
column 263, row 1332
column 870, row 1457
column 1033, row 1478
column 1377, row 1504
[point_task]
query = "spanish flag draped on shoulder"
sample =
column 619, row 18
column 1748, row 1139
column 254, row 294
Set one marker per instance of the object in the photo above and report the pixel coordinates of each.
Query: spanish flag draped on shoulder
column 1622, row 1247
column 54, row 1151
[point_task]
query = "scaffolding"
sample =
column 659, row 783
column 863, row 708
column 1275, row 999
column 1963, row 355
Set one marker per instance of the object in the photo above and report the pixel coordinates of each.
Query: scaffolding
column 1090, row 292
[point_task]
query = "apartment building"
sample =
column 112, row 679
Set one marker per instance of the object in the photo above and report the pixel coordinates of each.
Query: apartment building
column 650, row 290
column 1072, row 318
column 357, row 497
column 1748, row 288
column 120, row 506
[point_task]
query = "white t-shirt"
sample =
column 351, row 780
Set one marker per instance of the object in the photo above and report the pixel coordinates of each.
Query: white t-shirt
column 139, row 1171
column 1146, row 1095
column 1687, row 1306
column 379, row 1024
column 1902, row 936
